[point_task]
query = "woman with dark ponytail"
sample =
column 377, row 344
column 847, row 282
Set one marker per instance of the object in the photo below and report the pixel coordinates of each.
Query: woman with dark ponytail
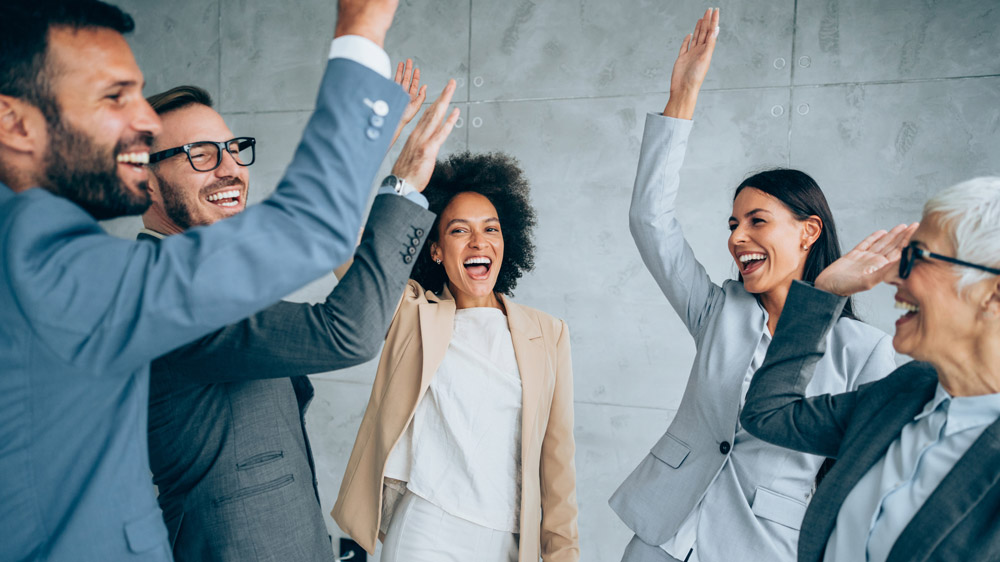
column 709, row 491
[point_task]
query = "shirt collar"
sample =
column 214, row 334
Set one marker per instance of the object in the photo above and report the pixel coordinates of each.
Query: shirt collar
column 963, row 412
column 152, row 233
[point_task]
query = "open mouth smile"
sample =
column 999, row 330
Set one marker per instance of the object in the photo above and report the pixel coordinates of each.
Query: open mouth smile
column 751, row 262
column 478, row 267
column 911, row 310
column 227, row 198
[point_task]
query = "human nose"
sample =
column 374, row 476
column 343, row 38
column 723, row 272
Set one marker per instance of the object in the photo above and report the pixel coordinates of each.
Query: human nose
column 476, row 240
column 145, row 119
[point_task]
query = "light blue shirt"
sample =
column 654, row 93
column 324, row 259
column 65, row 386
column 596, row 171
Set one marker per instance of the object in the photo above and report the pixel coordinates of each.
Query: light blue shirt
column 887, row 497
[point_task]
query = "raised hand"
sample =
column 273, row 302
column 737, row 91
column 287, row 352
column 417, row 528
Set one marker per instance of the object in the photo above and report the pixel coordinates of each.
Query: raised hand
column 867, row 264
column 408, row 76
column 419, row 154
column 368, row 18
column 692, row 65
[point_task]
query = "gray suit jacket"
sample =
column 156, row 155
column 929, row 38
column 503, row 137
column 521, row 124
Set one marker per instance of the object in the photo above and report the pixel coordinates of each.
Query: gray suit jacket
column 82, row 314
column 227, row 440
column 759, row 518
column 959, row 521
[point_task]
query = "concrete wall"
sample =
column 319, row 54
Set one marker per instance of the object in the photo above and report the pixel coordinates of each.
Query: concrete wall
column 884, row 103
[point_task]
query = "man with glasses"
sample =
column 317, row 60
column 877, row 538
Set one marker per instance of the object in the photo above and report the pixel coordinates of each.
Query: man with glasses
column 227, row 441
column 82, row 314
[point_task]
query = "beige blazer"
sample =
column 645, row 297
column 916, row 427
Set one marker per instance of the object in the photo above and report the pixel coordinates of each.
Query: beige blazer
column 414, row 348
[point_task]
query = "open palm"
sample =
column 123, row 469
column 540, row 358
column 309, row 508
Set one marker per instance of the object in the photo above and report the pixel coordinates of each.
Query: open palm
column 867, row 264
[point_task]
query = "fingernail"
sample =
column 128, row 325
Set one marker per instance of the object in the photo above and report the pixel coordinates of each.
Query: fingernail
column 715, row 33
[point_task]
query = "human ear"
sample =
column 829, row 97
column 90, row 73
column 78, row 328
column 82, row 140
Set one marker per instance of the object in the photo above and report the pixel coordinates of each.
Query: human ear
column 991, row 301
column 20, row 124
column 435, row 252
column 812, row 228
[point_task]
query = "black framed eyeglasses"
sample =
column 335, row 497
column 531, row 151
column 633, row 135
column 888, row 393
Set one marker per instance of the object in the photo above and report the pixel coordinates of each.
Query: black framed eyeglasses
column 205, row 156
column 912, row 252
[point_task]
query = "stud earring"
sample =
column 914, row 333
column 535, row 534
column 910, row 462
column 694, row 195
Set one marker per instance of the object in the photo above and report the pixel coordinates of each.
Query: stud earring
column 805, row 248
column 437, row 262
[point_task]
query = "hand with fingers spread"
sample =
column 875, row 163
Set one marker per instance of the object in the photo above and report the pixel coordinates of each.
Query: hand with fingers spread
column 692, row 66
column 416, row 161
column 408, row 76
column 867, row 264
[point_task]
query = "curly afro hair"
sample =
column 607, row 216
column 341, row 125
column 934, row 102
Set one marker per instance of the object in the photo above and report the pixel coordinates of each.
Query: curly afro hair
column 497, row 177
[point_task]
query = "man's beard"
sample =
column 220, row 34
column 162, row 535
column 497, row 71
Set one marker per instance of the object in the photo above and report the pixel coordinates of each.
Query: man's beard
column 87, row 174
column 178, row 210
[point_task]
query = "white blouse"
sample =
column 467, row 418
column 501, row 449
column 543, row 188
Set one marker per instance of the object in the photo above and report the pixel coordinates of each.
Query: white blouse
column 462, row 449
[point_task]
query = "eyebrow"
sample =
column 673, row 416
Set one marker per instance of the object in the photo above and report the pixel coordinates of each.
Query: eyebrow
column 466, row 221
column 751, row 213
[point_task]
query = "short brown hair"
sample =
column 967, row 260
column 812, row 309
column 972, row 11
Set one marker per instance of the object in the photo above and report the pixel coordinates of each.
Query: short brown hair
column 178, row 97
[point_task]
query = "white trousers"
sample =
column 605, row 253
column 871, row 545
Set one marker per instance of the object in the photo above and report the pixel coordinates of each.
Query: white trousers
column 423, row 532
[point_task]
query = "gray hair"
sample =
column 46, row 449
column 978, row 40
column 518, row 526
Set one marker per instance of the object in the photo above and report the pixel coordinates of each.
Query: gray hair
column 970, row 213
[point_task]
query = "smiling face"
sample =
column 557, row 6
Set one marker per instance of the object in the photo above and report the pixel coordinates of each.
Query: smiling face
column 470, row 248
column 938, row 318
column 182, row 196
column 101, row 140
column 766, row 241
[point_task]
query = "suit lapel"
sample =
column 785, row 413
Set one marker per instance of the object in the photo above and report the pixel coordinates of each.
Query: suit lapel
column 972, row 477
column 865, row 449
column 437, row 318
column 529, row 350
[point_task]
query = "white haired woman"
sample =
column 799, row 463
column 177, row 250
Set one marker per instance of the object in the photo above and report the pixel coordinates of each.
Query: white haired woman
column 918, row 452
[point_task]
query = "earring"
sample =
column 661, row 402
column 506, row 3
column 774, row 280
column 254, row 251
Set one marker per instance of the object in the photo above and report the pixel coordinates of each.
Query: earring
column 805, row 248
column 437, row 262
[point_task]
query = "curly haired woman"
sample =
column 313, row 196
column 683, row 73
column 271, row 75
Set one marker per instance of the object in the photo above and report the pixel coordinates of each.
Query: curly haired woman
column 466, row 448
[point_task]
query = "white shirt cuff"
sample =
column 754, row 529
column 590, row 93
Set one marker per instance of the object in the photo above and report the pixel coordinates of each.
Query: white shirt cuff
column 363, row 51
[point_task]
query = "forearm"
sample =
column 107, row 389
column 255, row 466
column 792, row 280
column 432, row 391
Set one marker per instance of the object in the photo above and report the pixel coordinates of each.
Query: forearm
column 653, row 220
column 347, row 329
column 776, row 408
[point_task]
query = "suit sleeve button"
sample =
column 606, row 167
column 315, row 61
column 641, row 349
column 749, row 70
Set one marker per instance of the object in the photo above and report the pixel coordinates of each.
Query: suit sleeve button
column 415, row 241
column 373, row 133
column 420, row 232
column 380, row 108
column 411, row 250
column 407, row 259
column 725, row 447
column 376, row 121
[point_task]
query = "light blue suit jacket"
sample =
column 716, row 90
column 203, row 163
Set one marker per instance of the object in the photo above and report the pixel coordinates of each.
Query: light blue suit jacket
column 82, row 314
column 759, row 520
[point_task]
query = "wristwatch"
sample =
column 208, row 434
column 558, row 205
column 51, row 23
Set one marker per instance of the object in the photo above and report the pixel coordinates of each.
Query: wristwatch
column 401, row 186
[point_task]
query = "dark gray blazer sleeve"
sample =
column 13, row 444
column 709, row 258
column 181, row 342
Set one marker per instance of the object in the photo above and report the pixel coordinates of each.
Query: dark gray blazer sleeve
column 291, row 339
column 776, row 408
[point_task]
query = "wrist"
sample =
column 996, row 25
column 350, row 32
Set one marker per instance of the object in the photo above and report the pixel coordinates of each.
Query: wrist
column 681, row 106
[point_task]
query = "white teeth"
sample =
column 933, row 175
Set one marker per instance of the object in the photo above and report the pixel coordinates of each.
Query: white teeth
column 907, row 306
column 478, row 261
column 748, row 257
column 133, row 158
column 233, row 194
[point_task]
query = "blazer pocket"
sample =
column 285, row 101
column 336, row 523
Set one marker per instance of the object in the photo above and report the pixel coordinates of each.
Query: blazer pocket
column 670, row 450
column 782, row 509
column 260, row 459
column 147, row 532
column 255, row 490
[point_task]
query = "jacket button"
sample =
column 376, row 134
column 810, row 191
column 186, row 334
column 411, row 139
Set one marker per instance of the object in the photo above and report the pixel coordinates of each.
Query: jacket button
column 411, row 250
column 420, row 232
column 376, row 121
column 415, row 241
column 373, row 133
column 407, row 259
column 724, row 447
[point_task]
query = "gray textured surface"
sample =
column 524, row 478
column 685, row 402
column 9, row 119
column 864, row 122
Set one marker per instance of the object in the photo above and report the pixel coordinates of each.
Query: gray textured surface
column 895, row 100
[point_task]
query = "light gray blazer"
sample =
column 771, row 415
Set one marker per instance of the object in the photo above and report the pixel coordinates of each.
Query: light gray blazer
column 957, row 522
column 761, row 522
